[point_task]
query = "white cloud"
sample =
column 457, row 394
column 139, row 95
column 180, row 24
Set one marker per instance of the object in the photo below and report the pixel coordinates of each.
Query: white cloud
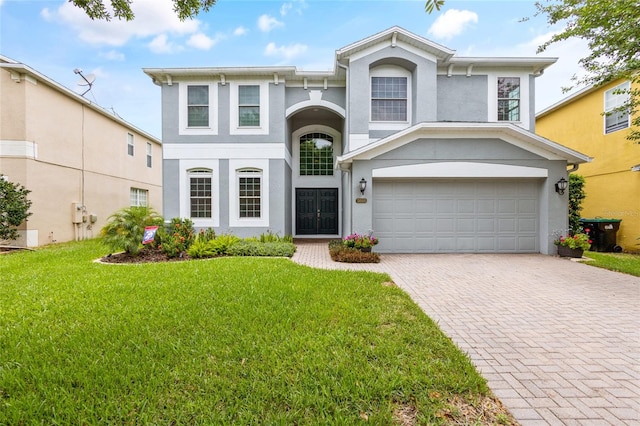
column 161, row 44
column 267, row 23
column 296, row 5
column 151, row 19
column 452, row 23
column 285, row 52
column 202, row 41
column 113, row 55
column 240, row 31
column 45, row 13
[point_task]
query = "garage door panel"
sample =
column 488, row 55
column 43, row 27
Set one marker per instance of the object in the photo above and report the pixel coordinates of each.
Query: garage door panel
column 456, row 216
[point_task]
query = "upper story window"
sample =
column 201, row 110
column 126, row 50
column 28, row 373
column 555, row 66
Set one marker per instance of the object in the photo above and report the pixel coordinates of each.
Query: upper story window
column 197, row 106
column 149, row 154
column 200, row 193
column 248, row 106
column 250, row 193
column 389, row 97
column 508, row 98
column 138, row 197
column 316, row 154
column 613, row 99
column 130, row 144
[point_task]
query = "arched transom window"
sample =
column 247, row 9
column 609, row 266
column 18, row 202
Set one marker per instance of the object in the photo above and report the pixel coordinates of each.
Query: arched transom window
column 316, row 154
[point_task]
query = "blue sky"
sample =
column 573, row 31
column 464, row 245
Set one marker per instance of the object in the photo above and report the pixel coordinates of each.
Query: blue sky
column 54, row 38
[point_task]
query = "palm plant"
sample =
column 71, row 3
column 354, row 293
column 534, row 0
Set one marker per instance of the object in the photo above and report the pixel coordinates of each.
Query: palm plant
column 125, row 228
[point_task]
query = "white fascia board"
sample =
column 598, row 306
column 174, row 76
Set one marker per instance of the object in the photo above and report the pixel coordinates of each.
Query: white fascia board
column 573, row 97
column 636, row 168
column 456, row 169
column 18, row 149
column 504, row 131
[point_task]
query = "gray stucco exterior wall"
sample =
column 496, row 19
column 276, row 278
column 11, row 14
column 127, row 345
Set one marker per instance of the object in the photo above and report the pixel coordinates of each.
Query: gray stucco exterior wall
column 462, row 98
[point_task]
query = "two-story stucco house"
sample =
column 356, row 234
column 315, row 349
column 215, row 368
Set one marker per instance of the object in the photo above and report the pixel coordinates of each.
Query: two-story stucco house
column 80, row 161
column 429, row 151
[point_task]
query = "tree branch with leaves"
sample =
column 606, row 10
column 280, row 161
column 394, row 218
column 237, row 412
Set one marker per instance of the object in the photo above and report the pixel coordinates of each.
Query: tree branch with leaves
column 121, row 9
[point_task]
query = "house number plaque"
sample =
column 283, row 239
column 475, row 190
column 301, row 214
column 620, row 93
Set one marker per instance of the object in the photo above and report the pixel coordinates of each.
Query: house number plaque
column 361, row 200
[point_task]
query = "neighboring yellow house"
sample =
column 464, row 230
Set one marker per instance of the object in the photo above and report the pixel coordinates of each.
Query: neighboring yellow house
column 80, row 161
column 612, row 179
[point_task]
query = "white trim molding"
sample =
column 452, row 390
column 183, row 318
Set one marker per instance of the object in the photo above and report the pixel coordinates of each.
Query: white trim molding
column 18, row 149
column 183, row 128
column 454, row 169
column 185, row 166
column 235, row 166
column 234, row 127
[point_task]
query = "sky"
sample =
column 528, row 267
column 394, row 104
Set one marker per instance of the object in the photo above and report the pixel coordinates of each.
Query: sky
column 54, row 37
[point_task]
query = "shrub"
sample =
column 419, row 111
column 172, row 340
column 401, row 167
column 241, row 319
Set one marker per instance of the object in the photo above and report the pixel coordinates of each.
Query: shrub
column 254, row 248
column 125, row 228
column 206, row 235
column 271, row 237
column 201, row 249
column 176, row 240
column 222, row 243
column 576, row 196
column 14, row 208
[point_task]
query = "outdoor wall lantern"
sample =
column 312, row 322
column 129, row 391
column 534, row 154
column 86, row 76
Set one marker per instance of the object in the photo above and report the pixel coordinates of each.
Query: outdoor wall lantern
column 363, row 186
column 561, row 186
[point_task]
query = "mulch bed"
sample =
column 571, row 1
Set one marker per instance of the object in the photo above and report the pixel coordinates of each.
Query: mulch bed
column 146, row 255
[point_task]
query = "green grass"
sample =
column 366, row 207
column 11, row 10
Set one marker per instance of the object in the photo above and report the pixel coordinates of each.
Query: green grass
column 220, row 341
column 620, row 262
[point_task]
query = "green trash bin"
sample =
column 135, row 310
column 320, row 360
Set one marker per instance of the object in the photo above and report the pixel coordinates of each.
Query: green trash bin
column 602, row 233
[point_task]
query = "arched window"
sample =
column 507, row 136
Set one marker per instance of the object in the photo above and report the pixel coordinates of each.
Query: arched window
column 200, row 194
column 316, row 154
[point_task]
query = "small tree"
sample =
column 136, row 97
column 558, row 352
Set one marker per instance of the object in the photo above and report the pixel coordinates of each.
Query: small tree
column 125, row 228
column 576, row 195
column 14, row 208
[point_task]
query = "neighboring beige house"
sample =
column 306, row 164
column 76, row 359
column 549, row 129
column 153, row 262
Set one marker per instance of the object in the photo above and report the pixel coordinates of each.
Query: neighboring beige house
column 80, row 161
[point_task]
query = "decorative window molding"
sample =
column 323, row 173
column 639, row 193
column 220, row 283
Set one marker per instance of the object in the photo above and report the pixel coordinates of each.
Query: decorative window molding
column 390, row 98
column 139, row 197
column 200, row 168
column 509, row 99
column 249, row 193
column 200, row 193
column 198, row 108
column 255, row 119
column 525, row 119
column 316, row 154
column 149, row 155
column 615, row 98
column 130, row 144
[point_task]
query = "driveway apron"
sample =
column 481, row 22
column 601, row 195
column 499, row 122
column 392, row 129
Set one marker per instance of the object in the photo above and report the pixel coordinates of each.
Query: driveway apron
column 558, row 341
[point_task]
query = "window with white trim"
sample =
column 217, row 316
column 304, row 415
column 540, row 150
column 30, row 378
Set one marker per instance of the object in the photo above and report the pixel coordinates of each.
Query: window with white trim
column 615, row 98
column 389, row 97
column 130, row 144
column 149, row 154
column 249, row 193
column 138, row 197
column 198, row 106
column 249, row 106
column 508, row 98
column 316, row 154
column 200, row 193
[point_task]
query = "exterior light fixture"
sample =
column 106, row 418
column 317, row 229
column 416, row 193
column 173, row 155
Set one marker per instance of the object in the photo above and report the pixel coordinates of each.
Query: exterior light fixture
column 561, row 186
column 363, row 186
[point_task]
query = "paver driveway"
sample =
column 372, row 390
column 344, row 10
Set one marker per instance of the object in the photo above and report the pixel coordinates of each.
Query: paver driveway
column 557, row 341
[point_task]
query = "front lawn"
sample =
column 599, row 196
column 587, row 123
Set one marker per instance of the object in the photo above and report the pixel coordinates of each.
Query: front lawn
column 221, row 341
column 620, row 262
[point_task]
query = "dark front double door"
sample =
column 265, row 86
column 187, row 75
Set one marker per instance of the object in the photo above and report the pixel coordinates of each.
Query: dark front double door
column 316, row 211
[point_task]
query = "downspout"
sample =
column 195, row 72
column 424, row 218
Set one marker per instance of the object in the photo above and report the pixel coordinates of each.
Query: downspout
column 347, row 218
column 574, row 168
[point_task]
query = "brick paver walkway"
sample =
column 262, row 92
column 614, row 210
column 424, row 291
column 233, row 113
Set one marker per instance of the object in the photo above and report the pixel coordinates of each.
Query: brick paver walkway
column 557, row 341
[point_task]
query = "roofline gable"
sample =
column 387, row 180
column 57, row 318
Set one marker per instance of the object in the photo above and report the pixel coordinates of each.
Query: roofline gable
column 505, row 131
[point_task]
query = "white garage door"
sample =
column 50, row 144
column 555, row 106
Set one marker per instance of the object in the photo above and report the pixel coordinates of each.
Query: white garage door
column 436, row 216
